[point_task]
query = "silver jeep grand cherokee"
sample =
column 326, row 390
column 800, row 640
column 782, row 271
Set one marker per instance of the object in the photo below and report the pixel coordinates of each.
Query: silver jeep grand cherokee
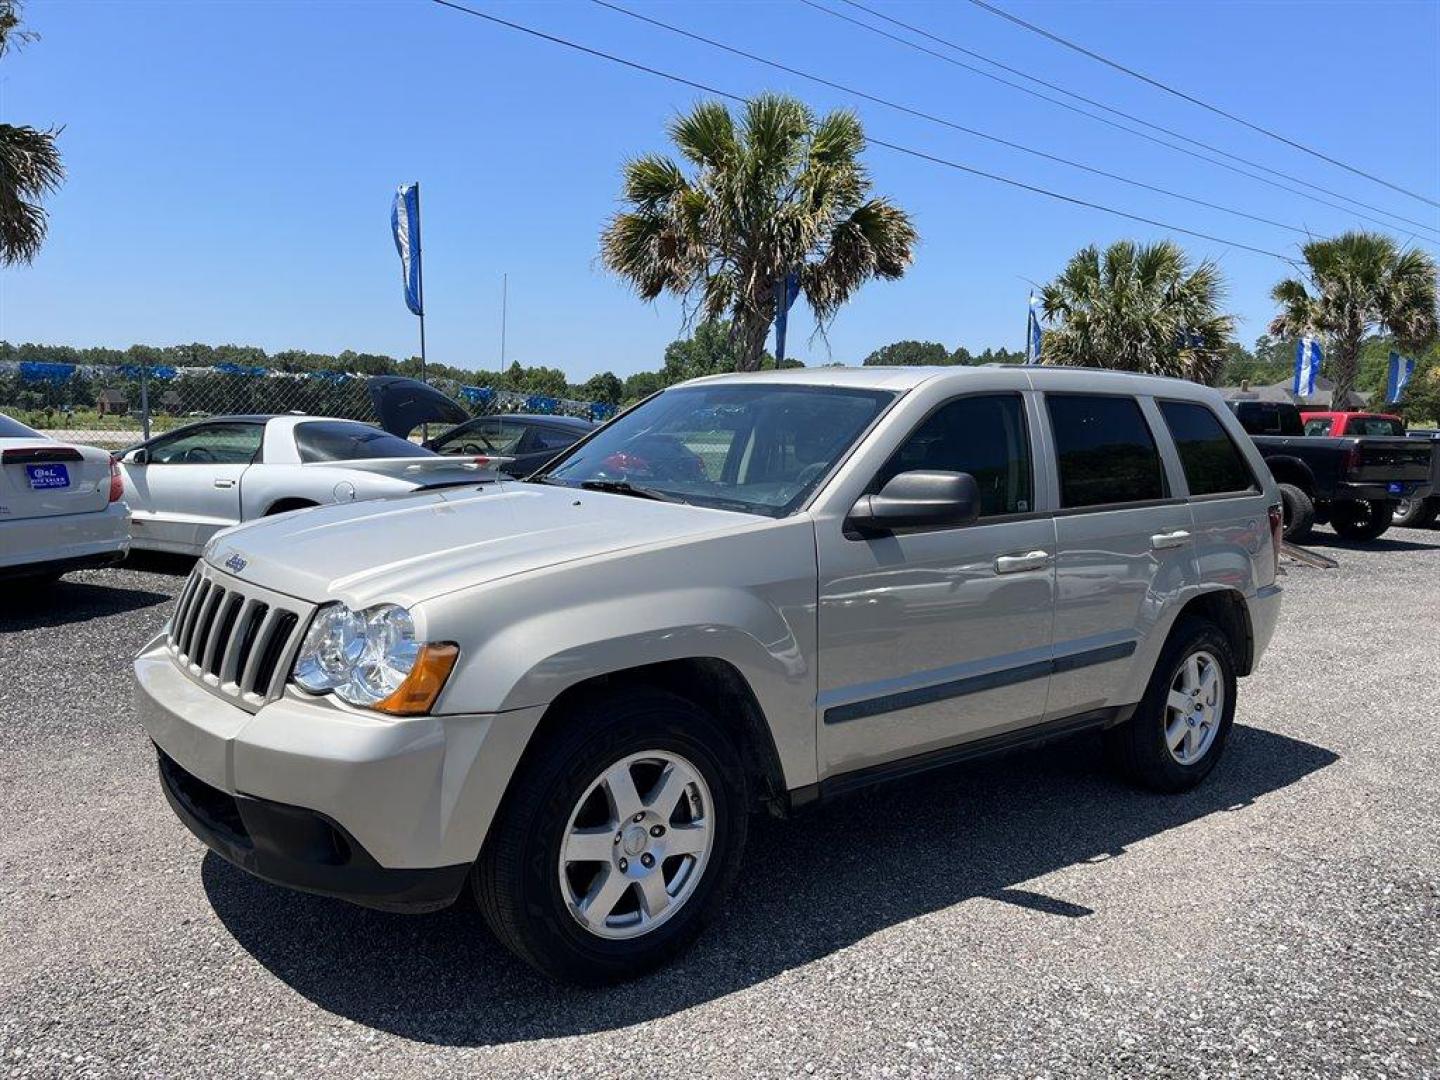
column 748, row 591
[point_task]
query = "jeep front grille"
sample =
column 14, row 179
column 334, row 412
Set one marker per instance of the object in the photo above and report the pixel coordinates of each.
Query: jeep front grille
column 236, row 638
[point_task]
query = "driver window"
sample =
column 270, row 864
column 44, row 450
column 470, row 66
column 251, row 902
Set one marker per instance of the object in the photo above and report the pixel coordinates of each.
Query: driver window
column 984, row 436
column 209, row 444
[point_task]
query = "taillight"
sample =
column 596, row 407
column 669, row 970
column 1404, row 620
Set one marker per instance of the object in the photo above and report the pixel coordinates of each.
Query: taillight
column 1352, row 461
column 117, row 485
column 1277, row 532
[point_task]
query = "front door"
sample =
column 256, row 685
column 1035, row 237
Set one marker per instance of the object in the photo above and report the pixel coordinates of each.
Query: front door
column 929, row 638
column 189, row 488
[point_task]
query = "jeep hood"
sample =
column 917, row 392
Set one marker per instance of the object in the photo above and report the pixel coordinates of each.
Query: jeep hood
column 412, row 547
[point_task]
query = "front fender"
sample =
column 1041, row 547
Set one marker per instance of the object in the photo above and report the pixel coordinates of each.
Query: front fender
column 526, row 640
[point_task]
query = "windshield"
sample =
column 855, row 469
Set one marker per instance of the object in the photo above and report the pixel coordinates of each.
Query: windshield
column 13, row 429
column 760, row 449
column 341, row 440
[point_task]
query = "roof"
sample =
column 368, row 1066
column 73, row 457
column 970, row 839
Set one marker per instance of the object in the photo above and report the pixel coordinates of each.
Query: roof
column 1280, row 392
column 902, row 379
column 578, row 422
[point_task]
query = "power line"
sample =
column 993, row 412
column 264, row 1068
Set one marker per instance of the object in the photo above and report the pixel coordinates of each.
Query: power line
column 1113, row 111
column 942, row 121
column 946, row 162
column 982, row 4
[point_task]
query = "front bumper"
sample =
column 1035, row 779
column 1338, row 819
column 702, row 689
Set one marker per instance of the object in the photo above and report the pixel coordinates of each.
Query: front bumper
column 301, row 849
column 409, row 795
column 64, row 542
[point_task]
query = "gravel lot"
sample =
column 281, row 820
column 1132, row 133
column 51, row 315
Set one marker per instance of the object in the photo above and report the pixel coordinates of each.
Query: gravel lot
column 1026, row 916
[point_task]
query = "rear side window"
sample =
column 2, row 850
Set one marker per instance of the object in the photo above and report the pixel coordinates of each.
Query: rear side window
column 984, row 436
column 1105, row 451
column 1268, row 418
column 341, row 440
column 1213, row 465
column 1319, row 426
column 551, row 439
column 13, row 429
column 1373, row 425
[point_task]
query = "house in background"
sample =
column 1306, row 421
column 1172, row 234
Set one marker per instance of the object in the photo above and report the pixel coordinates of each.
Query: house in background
column 1319, row 401
column 112, row 403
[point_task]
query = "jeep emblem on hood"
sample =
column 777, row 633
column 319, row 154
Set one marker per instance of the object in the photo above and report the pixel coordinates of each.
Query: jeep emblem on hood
column 235, row 563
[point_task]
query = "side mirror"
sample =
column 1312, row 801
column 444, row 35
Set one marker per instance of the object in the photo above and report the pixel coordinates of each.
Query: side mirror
column 917, row 499
column 138, row 456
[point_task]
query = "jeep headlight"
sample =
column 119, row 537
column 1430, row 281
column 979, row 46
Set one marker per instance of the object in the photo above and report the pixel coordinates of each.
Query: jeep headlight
column 372, row 658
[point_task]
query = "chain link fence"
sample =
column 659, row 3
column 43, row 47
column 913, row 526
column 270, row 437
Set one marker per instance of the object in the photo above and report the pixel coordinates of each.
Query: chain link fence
column 118, row 406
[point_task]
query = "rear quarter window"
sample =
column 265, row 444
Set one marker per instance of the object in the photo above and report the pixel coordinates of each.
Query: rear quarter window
column 1212, row 462
column 326, row 440
column 1105, row 451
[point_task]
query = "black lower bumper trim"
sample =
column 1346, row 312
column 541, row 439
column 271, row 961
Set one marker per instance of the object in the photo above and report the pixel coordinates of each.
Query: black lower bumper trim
column 301, row 849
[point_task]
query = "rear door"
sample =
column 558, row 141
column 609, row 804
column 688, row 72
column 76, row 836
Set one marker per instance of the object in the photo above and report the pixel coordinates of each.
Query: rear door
column 189, row 489
column 1124, row 543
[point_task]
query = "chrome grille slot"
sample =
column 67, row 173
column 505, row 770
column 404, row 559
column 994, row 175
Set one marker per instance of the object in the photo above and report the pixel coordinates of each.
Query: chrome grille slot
column 234, row 638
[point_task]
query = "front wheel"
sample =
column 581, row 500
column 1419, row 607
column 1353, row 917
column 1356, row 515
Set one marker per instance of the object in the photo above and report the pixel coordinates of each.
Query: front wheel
column 1361, row 519
column 1298, row 513
column 1179, row 729
column 618, row 842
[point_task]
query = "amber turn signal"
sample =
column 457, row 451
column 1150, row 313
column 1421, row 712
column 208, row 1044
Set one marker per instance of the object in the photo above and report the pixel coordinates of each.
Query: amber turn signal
column 416, row 695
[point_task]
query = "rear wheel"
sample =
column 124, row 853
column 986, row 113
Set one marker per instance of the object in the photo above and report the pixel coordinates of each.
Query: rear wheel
column 1179, row 729
column 1299, row 513
column 618, row 842
column 1417, row 513
column 1361, row 519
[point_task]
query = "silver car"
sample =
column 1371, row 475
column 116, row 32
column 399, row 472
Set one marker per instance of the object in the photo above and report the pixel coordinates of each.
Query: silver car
column 764, row 590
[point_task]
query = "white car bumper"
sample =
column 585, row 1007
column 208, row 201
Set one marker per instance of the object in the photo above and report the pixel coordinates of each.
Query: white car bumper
column 64, row 542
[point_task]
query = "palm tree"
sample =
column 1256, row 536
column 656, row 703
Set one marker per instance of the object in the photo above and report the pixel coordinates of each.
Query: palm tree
column 29, row 166
column 773, row 193
column 1137, row 307
column 1357, row 284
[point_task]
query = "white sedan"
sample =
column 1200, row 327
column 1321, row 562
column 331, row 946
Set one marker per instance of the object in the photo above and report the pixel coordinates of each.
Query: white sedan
column 60, row 506
column 188, row 484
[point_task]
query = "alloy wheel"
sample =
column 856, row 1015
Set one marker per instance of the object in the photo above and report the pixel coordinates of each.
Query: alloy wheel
column 636, row 844
column 1194, row 707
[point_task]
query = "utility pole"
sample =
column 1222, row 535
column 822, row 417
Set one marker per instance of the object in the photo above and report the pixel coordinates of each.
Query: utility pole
column 504, row 305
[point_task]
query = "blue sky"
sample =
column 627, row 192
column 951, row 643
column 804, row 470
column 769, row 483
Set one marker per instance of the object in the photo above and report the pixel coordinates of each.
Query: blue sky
column 231, row 164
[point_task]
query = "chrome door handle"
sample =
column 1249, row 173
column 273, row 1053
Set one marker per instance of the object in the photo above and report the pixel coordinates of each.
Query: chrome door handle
column 1014, row 564
column 1178, row 538
column 224, row 483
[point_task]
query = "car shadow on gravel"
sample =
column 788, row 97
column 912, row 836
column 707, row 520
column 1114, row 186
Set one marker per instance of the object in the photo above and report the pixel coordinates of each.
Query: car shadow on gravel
column 808, row 888
column 1381, row 544
column 25, row 606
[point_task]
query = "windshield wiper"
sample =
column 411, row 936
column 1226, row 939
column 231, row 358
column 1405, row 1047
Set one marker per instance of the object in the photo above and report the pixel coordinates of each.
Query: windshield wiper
column 624, row 487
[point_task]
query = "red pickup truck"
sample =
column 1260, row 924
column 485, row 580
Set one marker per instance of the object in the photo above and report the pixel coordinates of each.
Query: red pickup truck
column 1339, row 424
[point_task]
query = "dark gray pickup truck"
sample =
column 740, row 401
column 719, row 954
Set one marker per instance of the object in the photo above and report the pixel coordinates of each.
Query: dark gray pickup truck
column 1417, row 512
column 1351, row 482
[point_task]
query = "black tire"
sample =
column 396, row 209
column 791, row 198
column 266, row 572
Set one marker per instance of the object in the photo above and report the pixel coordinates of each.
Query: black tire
column 1138, row 747
column 1299, row 513
column 517, row 877
column 284, row 506
column 1417, row 513
column 1357, row 519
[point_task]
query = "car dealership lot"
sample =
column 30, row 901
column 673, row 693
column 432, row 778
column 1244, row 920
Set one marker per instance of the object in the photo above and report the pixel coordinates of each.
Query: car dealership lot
column 1021, row 916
